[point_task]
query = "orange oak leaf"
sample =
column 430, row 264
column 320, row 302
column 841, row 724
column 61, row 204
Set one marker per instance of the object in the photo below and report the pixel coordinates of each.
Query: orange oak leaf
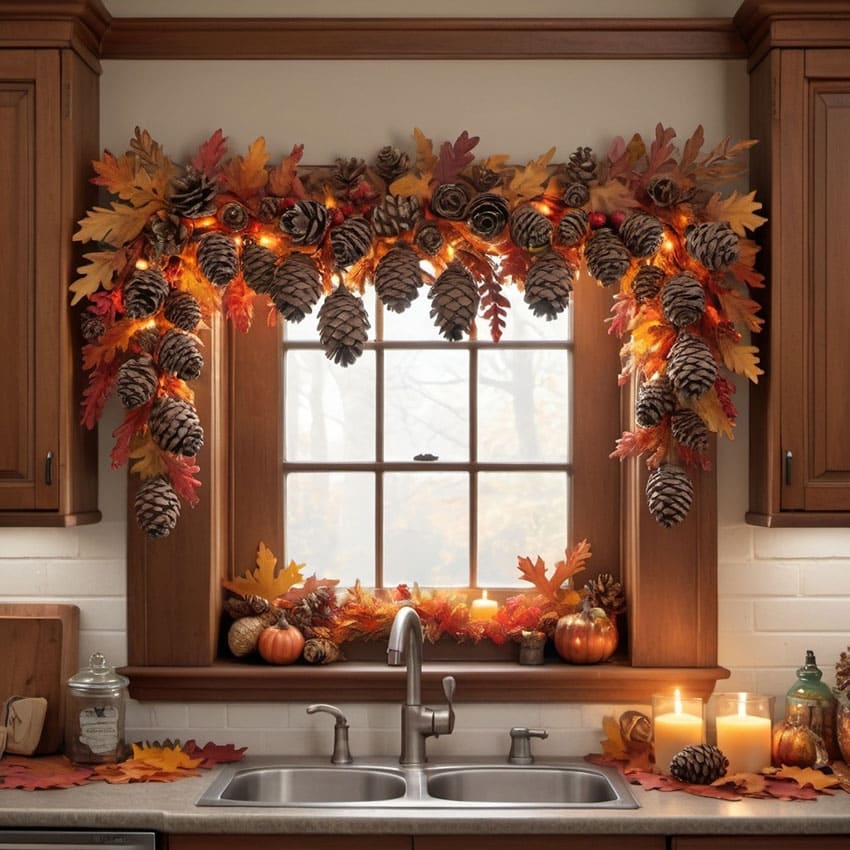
column 527, row 181
column 283, row 180
column 551, row 587
column 116, row 226
column 739, row 211
column 42, row 772
column 266, row 581
column 809, row 776
column 167, row 759
column 210, row 153
column 245, row 176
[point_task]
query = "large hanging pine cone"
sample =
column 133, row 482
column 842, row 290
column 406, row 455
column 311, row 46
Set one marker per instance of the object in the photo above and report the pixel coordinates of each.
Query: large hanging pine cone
column 395, row 214
column 712, row 243
column 137, row 381
column 688, row 429
column 350, row 241
column 428, row 237
column 218, row 258
column 487, row 215
column 182, row 310
column 157, row 507
column 391, row 163
column 698, row 764
column 655, row 400
column 606, row 256
column 606, row 592
column 691, row 366
column 581, row 167
column 576, row 194
column 296, row 286
column 682, row 300
column 305, row 222
column 548, row 285
column 663, row 191
column 647, row 283
column 642, row 234
column 234, row 216
column 347, row 173
column 669, row 494
column 572, row 228
column 144, row 293
column 449, row 200
column 398, row 277
column 175, row 427
column 530, row 229
column 454, row 299
column 178, row 354
column 258, row 266
column 343, row 326
column 193, row 193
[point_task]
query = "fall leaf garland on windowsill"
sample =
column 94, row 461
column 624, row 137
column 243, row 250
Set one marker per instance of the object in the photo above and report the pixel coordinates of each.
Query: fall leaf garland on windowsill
column 180, row 242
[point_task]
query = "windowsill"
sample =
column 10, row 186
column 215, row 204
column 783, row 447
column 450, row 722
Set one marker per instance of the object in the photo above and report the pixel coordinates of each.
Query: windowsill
column 491, row 681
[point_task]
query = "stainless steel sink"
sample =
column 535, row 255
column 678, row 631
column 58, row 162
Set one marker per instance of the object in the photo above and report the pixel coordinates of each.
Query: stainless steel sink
column 478, row 783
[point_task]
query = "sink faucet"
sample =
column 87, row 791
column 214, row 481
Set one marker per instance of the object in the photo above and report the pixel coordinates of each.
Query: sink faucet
column 417, row 721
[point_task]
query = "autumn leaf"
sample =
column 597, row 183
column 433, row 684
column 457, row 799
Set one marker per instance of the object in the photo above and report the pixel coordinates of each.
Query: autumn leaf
column 238, row 304
column 114, row 340
column 551, row 587
column 741, row 359
column 97, row 392
column 181, row 472
column 739, row 211
column 495, row 162
column 613, row 744
column 711, row 411
column 283, row 180
column 98, row 273
column 213, row 754
column 494, row 307
column 135, row 421
column 636, row 443
column 116, row 226
column 168, row 759
column 311, row 585
column 117, row 174
column 455, row 157
column 425, row 157
column 808, row 776
column 43, row 772
column 245, row 176
column 265, row 581
column 739, row 309
column 208, row 158
column 660, row 151
column 611, row 196
column 527, row 181
column 148, row 459
column 151, row 154
column 690, row 151
column 412, row 184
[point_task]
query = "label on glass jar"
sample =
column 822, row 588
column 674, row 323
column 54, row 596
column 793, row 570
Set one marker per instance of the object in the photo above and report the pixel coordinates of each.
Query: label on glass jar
column 99, row 728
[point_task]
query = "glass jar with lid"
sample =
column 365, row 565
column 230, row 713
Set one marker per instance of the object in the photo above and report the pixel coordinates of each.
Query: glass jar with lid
column 809, row 703
column 94, row 714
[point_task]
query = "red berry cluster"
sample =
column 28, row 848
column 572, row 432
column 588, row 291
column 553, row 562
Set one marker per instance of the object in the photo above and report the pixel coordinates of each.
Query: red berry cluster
column 600, row 219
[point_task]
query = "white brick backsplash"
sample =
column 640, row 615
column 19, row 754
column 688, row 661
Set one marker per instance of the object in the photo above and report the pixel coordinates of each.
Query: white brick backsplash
column 104, row 540
column 803, row 543
column 22, row 577
column 735, row 615
column 106, row 614
column 39, row 542
column 562, row 716
column 735, row 543
column 170, row 715
column 788, row 615
column 207, row 716
column 759, row 578
column 88, row 577
column 112, row 644
column 257, row 715
column 826, row 579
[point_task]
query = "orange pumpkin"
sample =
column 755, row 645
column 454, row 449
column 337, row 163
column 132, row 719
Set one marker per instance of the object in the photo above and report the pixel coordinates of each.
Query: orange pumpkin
column 798, row 746
column 586, row 637
column 280, row 643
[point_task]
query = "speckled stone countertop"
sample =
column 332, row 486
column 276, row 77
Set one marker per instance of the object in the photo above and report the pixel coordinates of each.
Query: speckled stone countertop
column 171, row 808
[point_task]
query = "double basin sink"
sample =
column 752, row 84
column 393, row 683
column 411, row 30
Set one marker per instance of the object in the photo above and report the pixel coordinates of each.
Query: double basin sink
column 566, row 783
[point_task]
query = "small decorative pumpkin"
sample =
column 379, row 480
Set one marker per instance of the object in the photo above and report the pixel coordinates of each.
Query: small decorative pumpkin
column 798, row 746
column 586, row 637
column 243, row 634
column 280, row 643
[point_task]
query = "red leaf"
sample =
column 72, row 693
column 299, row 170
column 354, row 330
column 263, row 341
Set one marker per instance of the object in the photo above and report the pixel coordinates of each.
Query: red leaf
column 623, row 311
column 181, row 472
column 494, row 306
column 210, row 153
column 634, row 443
column 213, row 754
column 238, row 303
column 96, row 394
column 311, row 584
column 454, row 157
column 660, row 151
column 33, row 774
column 725, row 389
column 135, row 420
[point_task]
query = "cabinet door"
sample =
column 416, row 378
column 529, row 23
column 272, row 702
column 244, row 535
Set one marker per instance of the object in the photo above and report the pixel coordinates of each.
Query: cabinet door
column 539, row 842
column 289, row 842
column 762, row 842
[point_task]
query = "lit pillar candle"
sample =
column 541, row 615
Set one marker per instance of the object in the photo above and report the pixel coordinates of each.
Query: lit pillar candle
column 483, row 608
column 744, row 738
column 673, row 730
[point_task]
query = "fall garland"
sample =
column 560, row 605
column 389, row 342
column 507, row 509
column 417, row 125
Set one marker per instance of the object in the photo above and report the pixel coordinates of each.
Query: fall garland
column 180, row 242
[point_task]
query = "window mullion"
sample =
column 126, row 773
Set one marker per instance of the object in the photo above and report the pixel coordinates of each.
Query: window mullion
column 473, row 473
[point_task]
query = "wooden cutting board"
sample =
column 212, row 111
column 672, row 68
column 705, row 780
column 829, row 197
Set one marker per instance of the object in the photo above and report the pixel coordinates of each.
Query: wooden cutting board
column 39, row 652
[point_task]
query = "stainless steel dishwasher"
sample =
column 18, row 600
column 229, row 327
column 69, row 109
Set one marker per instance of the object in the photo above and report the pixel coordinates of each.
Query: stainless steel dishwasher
column 55, row 839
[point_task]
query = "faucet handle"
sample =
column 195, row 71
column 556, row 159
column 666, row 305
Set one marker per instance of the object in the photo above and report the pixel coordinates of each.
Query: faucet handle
column 521, row 744
column 449, row 685
column 443, row 719
column 341, row 753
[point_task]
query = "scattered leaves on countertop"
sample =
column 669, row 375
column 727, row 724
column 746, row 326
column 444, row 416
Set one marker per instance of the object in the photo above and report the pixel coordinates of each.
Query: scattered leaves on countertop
column 41, row 773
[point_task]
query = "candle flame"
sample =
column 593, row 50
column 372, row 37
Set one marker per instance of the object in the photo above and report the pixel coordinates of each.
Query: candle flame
column 483, row 594
column 677, row 701
column 742, row 705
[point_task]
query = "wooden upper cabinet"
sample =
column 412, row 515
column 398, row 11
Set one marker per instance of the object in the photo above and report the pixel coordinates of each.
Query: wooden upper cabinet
column 800, row 113
column 48, row 135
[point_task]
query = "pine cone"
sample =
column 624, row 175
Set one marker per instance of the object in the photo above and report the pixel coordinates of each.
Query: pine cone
column 343, row 326
column 530, row 229
column 398, row 277
column 157, row 507
column 487, row 215
column 347, row 173
column 576, row 195
column 321, row 651
column 572, row 228
column 178, row 354
column 305, row 222
column 258, row 266
column 688, row 429
column 548, row 285
column 691, row 366
column 842, row 670
column 91, row 326
column 606, row 256
column 391, row 163
column 450, row 200
column 182, row 310
column 582, row 166
column 314, row 609
column 218, row 258
column 428, row 237
column 698, row 764
column 269, row 209
column 395, row 214
column 234, row 216
column 642, row 234
column 246, row 606
column 484, row 179
column 144, row 341
column 655, row 400
column 296, row 286
column 166, row 234
column 350, row 241
column 682, row 300
column 663, row 191
column 606, row 592
column 175, row 427
column 193, row 194
column 137, row 381
column 647, row 283
column 144, row 293
column 712, row 243
column 669, row 494
column 454, row 299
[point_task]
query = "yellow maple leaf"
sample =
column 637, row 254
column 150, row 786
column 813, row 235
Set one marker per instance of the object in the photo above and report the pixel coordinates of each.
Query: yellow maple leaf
column 739, row 211
column 426, row 159
column 495, row 162
column 263, row 581
column 412, row 184
column 246, row 175
column 528, row 180
column 169, row 759
column 611, row 196
column 809, row 776
column 741, row 359
column 740, row 310
column 96, row 273
column 708, row 406
column 149, row 461
column 192, row 281
column 116, row 226
column 117, row 174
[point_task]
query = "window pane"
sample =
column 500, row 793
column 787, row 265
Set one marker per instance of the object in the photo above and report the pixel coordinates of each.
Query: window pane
column 519, row 513
column 523, row 406
column 426, row 529
column 426, row 404
column 415, row 323
column 307, row 330
column 330, row 524
column 522, row 325
column 329, row 411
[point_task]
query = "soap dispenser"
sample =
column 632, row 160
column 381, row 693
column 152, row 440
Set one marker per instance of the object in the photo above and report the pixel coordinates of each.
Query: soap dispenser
column 810, row 703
